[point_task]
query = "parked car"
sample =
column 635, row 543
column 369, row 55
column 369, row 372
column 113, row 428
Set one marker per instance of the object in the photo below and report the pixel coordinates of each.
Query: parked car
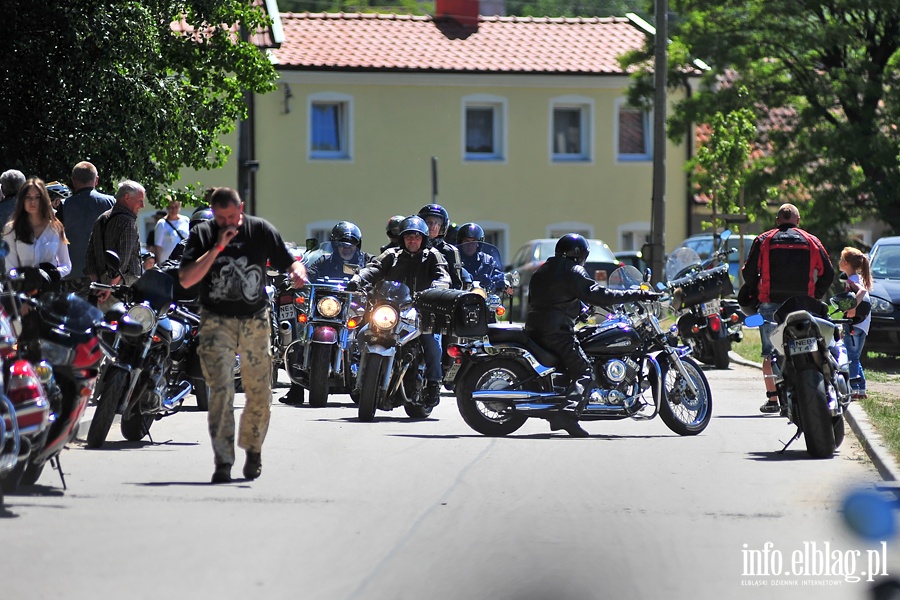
column 633, row 258
column 884, row 334
column 601, row 262
column 702, row 243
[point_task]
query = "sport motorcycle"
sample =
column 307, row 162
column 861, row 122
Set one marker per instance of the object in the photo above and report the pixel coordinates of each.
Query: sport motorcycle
column 506, row 378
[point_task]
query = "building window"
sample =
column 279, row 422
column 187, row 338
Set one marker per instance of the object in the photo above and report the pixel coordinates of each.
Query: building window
column 484, row 134
column 633, row 236
column 557, row 230
column 330, row 119
column 570, row 129
column 633, row 139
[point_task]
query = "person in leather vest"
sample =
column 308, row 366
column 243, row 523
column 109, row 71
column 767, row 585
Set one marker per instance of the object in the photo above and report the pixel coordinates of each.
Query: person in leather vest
column 783, row 262
column 555, row 296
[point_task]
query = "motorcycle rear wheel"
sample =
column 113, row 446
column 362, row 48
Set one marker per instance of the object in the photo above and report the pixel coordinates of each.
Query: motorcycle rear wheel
column 201, row 392
column 681, row 413
column 720, row 349
column 114, row 384
column 370, row 386
column 135, row 426
column 32, row 473
column 837, row 424
column 483, row 417
column 815, row 418
column 319, row 368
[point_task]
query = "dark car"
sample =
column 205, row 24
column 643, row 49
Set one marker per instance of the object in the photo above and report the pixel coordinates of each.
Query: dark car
column 601, row 262
column 632, row 257
column 702, row 243
column 884, row 334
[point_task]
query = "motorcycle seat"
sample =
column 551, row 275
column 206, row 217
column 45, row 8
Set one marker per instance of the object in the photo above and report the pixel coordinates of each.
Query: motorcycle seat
column 506, row 333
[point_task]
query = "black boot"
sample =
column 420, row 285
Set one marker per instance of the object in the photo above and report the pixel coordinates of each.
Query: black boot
column 569, row 423
column 432, row 394
column 294, row 396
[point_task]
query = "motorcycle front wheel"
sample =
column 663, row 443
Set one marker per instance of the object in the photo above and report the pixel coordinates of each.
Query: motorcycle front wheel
column 815, row 418
column 319, row 368
column 489, row 418
column 681, row 411
column 370, row 386
column 113, row 384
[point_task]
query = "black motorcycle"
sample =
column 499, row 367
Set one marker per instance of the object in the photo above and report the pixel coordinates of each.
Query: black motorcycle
column 134, row 383
column 506, row 378
column 707, row 320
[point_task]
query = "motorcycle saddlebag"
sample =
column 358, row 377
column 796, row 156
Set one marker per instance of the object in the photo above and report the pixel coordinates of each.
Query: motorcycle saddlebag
column 701, row 287
column 452, row 312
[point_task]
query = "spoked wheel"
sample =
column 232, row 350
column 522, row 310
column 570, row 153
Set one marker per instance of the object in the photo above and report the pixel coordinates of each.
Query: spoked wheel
column 683, row 412
column 491, row 418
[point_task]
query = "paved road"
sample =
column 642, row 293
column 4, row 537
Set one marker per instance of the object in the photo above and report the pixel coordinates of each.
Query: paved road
column 411, row 510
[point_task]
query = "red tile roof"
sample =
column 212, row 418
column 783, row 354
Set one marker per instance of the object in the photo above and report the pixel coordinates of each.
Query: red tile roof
column 369, row 41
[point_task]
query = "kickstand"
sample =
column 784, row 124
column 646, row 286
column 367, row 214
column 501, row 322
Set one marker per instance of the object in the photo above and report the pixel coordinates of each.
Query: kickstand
column 791, row 441
column 54, row 462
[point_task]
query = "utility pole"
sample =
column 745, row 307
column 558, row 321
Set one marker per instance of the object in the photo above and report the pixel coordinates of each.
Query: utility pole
column 658, row 212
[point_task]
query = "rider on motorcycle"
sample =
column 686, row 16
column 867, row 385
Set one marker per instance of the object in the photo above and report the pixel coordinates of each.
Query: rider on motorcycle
column 420, row 267
column 393, row 232
column 480, row 265
column 347, row 257
column 437, row 219
column 555, row 298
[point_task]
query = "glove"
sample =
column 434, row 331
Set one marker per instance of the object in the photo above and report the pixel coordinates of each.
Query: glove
column 650, row 296
column 353, row 285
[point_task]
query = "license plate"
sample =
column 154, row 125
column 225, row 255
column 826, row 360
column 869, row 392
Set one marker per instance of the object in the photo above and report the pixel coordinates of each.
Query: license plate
column 450, row 375
column 804, row 346
column 710, row 308
column 286, row 312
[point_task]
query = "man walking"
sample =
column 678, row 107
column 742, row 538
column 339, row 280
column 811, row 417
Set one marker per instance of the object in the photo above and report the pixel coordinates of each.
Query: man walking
column 78, row 214
column 227, row 256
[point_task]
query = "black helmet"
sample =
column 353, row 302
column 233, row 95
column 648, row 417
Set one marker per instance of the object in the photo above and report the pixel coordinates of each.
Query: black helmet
column 345, row 231
column 58, row 190
column 201, row 214
column 436, row 210
column 573, row 246
column 393, row 226
column 414, row 224
column 469, row 230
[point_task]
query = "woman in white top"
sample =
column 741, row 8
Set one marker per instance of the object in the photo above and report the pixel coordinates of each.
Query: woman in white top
column 34, row 234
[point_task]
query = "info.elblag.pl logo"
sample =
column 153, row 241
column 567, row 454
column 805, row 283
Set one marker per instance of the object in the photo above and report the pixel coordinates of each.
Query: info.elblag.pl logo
column 813, row 563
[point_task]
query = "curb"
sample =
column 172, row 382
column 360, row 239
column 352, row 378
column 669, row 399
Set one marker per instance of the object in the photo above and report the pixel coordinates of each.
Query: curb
column 861, row 426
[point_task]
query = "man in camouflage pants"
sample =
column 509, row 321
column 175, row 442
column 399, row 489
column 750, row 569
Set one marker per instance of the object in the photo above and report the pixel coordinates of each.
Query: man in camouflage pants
column 227, row 256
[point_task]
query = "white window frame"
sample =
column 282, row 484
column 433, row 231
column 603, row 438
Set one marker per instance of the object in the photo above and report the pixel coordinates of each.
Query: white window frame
column 637, row 229
column 586, row 106
column 647, row 155
column 318, row 226
column 346, row 140
column 499, row 105
column 501, row 229
column 557, row 230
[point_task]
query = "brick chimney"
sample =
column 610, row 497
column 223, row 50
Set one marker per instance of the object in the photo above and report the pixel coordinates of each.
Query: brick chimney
column 464, row 12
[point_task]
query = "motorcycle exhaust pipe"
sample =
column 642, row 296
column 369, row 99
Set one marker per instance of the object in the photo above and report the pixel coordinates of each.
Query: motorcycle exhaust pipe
column 172, row 402
column 513, row 395
column 285, row 335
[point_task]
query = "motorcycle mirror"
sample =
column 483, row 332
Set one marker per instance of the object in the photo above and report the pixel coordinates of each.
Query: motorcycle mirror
column 129, row 327
column 647, row 274
column 311, row 244
column 725, row 235
column 513, row 279
column 660, row 286
column 754, row 320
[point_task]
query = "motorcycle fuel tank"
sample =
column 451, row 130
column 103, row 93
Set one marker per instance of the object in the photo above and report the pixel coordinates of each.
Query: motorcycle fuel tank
column 611, row 338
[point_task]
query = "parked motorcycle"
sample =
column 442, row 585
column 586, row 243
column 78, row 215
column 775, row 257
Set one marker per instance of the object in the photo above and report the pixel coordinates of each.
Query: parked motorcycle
column 707, row 321
column 134, row 382
column 811, row 369
column 506, row 378
column 322, row 356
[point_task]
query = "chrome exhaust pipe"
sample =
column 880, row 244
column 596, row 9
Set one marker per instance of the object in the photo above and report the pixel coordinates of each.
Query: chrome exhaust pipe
column 172, row 402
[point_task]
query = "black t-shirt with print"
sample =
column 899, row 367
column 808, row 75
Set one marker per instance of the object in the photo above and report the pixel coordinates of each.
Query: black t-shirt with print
column 235, row 285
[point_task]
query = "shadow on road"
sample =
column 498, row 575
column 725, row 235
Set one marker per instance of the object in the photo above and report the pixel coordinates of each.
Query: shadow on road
column 778, row 456
column 204, row 483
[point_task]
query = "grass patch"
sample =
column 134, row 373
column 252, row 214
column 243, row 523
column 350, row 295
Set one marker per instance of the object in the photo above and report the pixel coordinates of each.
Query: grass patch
column 750, row 347
column 884, row 413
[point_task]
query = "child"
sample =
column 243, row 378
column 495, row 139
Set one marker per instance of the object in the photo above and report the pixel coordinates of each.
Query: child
column 856, row 265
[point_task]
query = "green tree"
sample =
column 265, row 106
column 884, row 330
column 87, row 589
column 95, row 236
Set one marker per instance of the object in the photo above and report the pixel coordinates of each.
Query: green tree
column 114, row 83
column 822, row 79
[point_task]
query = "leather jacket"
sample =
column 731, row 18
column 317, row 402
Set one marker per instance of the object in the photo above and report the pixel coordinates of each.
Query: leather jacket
column 451, row 257
column 418, row 271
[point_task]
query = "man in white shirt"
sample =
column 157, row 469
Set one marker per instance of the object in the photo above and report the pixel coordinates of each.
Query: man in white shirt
column 169, row 232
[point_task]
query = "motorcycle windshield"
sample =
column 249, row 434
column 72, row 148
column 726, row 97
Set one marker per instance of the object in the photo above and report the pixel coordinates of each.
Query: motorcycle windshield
column 394, row 292
column 625, row 278
column 472, row 248
column 681, row 262
column 324, row 249
column 155, row 287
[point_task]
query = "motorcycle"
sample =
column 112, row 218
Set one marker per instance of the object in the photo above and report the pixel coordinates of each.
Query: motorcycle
column 324, row 357
column 811, row 369
column 506, row 378
column 492, row 286
column 134, row 382
column 706, row 320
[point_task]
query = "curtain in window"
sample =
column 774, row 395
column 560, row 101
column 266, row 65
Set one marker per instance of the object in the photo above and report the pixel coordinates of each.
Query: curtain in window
column 567, row 131
column 326, row 127
column 480, row 130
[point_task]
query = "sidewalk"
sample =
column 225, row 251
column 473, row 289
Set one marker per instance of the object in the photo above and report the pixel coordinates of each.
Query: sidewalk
column 859, row 423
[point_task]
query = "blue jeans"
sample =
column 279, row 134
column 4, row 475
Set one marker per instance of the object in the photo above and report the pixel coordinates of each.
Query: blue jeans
column 767, row 311
column 431, row 348
column 854, row 341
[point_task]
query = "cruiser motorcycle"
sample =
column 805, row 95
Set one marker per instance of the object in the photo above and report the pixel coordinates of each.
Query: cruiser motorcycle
column 706, row 320
column 811, row 369
column 506, row 378
column 136, row 381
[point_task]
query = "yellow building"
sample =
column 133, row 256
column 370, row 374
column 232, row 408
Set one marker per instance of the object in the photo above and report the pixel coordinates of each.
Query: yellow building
column 525, row 120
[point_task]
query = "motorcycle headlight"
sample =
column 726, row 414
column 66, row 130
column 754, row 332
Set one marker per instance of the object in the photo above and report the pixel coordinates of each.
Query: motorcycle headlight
column 55, row 354
column 143, row 315
column 384, row 317
column 881, row 306
column 329, row 306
